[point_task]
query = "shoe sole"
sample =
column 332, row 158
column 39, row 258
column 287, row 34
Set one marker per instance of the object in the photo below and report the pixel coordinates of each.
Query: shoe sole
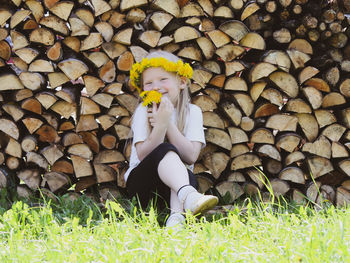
column 206, row 205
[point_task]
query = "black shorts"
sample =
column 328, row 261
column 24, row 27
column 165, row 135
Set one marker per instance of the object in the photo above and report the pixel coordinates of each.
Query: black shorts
column 144, row 181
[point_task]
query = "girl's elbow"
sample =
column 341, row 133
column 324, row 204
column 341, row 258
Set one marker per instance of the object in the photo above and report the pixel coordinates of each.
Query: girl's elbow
column 192, row 159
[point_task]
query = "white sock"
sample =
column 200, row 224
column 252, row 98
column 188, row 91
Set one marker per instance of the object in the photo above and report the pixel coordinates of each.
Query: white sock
column 184, row 192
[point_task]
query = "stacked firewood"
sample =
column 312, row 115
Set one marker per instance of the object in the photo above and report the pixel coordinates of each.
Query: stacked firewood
column 271, row 77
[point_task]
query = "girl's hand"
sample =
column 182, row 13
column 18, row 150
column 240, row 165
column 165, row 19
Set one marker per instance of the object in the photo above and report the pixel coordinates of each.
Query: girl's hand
column 161, row 115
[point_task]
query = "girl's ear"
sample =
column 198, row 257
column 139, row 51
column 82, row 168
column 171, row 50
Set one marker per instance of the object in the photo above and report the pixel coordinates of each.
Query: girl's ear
column 183, row 82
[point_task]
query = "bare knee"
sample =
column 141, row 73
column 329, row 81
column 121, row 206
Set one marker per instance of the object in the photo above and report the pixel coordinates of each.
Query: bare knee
column 170, row 156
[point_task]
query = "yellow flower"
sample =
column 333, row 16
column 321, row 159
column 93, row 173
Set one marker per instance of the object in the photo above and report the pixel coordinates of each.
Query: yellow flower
column 151, row 96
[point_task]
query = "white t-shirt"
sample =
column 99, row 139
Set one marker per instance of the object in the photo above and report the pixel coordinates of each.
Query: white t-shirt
column 193, row 131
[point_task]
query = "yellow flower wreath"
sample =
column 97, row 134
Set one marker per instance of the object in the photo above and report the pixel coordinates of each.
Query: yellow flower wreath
column 181, row 68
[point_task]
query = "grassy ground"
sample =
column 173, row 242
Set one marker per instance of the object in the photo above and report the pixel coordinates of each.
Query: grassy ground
column 252, row 232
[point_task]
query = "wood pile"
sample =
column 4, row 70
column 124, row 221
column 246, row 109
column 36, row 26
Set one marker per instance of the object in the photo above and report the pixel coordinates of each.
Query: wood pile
column 271, row 77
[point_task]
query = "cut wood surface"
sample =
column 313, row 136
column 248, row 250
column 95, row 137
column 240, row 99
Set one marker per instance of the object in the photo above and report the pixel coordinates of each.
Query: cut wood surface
column 271, row 78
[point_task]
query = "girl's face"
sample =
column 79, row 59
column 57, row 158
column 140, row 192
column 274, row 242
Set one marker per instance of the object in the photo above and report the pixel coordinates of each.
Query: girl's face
column 164, row 82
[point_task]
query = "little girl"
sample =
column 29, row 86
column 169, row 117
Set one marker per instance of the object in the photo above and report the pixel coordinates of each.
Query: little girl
column 167, row 138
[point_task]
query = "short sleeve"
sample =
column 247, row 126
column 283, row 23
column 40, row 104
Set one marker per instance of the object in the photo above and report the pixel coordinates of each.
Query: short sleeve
column 140, row 124
column 194, row 130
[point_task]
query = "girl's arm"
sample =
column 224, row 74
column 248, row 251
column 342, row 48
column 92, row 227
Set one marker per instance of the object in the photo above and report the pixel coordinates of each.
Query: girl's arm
column 188, row 150
column 160, row 119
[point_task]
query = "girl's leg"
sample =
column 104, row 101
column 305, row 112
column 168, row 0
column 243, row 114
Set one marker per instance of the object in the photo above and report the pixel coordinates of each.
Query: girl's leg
column 176, row 218
column 163, row 169
column 175, row 204
column 172, row 171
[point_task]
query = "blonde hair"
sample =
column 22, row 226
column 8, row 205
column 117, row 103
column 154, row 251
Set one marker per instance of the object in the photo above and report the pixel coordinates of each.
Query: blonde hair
column 183, row 100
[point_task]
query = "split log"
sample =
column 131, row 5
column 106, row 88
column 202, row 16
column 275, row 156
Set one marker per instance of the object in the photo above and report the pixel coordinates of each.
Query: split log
column 245, row 161
column 91, row 140
column 81, row 150
column 272, row 166
column 236, row 177
column 298, row 196
column 251, row 189
column 39, row 160
column 319, row 166
column 40, row 35
column 279, row 187
column 238, row 149
column 313, row 191
column 110, row 193
column 56, row 181
column 108, row 156
column 334, row 132
column 285, row 82
column 257, row 177
column 253, row 40
column 288, row 142
column 62, row 166
column 273, row 95
column 324, row 117
column 31, row 177
column 342, row 196
column 218, row 137
column 46, row 99
column 307, row 73
column 320, row 147
column 24, row 191
column 55, row 23
column 278, row 58
column 269, row 151
column 262, row 135
column 230, row 191
column 216, row 163
column 309, row 125
column 47, row 133
column 261, row 70
column 86, row 123
column 62, row 9
column 14, row 111
column 52, row 153
column 12, row 82
column 204, row 183
column 232, row 112
column 10, row 128
column 104, row 173
column 292, row 174
column 211, row 119
column 237, row 135
column 282, row 122
column 333, row 99
column 81, row 166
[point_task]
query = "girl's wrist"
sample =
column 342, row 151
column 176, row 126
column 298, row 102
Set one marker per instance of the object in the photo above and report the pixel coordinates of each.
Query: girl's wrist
column 161, row 126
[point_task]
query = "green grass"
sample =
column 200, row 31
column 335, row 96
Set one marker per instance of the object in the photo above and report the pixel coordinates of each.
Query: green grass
column 81, row 231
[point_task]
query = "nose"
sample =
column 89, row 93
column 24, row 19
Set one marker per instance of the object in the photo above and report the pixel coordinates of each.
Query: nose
column 156, row 86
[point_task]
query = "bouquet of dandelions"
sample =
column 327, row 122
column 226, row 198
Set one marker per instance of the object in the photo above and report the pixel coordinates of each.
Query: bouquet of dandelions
column 148, row 97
